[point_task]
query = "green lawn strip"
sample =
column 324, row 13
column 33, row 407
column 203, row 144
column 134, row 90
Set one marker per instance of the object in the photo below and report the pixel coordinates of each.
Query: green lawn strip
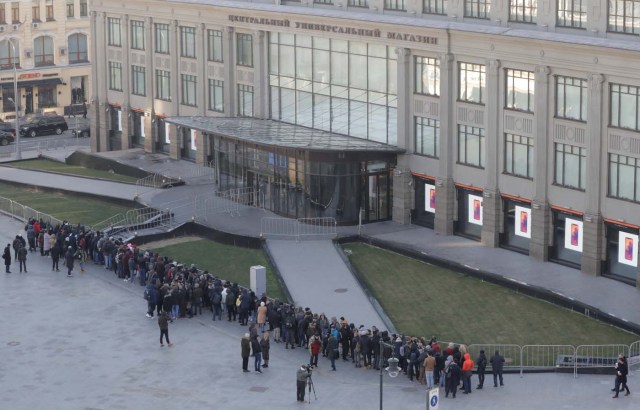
column 227, row 262
column 425, row 300
column 75, row 208
column 47, row 165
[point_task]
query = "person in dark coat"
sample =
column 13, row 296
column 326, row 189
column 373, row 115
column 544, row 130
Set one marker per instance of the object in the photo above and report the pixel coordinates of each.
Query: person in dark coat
column 265, row 345
column 6, row 255
column 621, row 376
column 481, row 363
column 55, row 257
column 245, row 351
column 452, row 374
column 257, row 353
column 69, row 258
column 153, row 299
column 332, row 350
column 497, row 363
column 22, row 258
column 163, row 323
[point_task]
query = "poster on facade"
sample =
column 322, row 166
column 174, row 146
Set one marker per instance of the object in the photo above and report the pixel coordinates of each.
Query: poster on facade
column 167, row 134
column 119, row 121
column 573, row 234
column 475, row 209
column 142, row 134
column 430, row 198
column 628, row 248
column 193, row 140
column 523, row 222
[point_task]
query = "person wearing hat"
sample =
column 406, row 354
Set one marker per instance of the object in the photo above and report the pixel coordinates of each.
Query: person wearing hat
column 6, row 255
column 19, row 240
column 68, row 258
column 262, row 316
column 301, row 382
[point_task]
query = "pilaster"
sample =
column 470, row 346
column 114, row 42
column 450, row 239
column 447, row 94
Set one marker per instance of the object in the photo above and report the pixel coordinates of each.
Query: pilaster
column 201, row 151
column 126, row 85
column 445, row 206
column 230, row 72
column 201, row 93
column 175, row 141
column 99, row 133
column 175, row 68
column 491, row 206
column 540, row 230
column 126, row 127
column 445, row 189
column 405, row 121
column 402, row 190
column 260, row 74
column 149, row 130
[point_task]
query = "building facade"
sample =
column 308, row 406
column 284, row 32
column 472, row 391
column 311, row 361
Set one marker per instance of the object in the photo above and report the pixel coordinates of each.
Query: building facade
column 47, row 43
column 518, row 120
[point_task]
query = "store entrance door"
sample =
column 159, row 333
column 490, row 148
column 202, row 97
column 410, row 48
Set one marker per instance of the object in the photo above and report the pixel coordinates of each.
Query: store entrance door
column 262, row 185
column 28, row 100
column 376, row 199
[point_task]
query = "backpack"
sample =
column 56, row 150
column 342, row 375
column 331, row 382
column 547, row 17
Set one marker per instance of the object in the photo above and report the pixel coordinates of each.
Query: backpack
column 147, row 295
column 289, row 323
column 217, row 298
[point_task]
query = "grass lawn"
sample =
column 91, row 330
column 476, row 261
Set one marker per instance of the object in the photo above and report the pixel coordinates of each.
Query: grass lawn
column 47, row 165
column 424, row 300
column 225, row 261
column 75, row 208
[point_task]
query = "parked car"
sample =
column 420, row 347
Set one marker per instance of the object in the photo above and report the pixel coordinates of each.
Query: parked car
column 44, row 125
column 8, row 127
column 83, row 131
column 6, row 138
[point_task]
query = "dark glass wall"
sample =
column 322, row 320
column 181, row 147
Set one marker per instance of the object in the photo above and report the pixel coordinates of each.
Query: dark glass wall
column 563, row 250
column 622, row 255
column 517, row 225
column 469, row 223
column 424, row 202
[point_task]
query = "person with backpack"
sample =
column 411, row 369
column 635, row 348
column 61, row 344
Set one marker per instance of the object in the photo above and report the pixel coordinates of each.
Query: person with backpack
column 216, row 303
column 289, row 329
column 231, row 305
column 481, row 363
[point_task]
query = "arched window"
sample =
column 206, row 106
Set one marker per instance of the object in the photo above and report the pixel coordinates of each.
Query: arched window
column 78, row 48
column 9, row 53
column 43, row 50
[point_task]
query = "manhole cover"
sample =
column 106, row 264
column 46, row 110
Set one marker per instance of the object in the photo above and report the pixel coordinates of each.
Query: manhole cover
column 341, row 290
column 14, row 343
column 258, row 389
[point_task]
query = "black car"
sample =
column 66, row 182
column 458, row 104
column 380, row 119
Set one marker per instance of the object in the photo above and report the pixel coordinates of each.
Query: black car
column 8, row 127
column 6, row 138
column 83, row 131
column 44, row 125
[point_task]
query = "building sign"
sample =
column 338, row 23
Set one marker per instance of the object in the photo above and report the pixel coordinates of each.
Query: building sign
column 28, row 76
column 430, row 198
column 523, row 222
column 573, row 234
column 628, row 248
column 475, row 209
column 330, row 28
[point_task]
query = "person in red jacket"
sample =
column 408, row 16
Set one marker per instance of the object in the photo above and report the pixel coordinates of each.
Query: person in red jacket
column 315, row 345
column 467, row 372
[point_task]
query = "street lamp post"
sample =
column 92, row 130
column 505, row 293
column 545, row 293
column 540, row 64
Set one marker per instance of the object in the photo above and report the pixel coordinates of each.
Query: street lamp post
column 15, row 100
column 392, row 369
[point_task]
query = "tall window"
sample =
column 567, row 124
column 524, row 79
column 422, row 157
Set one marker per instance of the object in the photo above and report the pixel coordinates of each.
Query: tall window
column 427, row 136
column 434, row 7
column 427, row 75
column 394, row 5
column 571, row 98
column 15, row 12
column 359, row 3
column 477, row 8
column 245, row 100
column 35, row 11
column 244, row 49
column 214, row 45
column 188, row 42
column 163, row 85
column 47, row 96
column 137, row 35
column 70, row 8
column 524, row 11
column 624, row 16
column 625, row 106
column 9, row 53
column 188, row 90
column 518, row 155
column 624, row 177
column 323, row 1
column 3, row 14
column 216, row 95
column 49, row 10
column 138, row 80
column 115, row 76
column 43, row 51
column 162, row 38
column 571, row 166
column 471, row 146
column 520, row 90
column 84, row 12
column 472, row 82
column 114, row 32
column 572, row 13
column 78, row 48
column 8, row 101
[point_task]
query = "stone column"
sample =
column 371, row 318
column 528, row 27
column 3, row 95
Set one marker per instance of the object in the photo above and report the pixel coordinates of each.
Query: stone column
column 126, row 89
column 149, row 130
column 229, row 72
column 405, row 119
column 492, row 204
column 260, row 75
column 445, row 189
column 593, row 238
column 201, row 77
column 201, row 145
column 99, row 78
column 540, row 212
column 176, row 140
column 174, row 147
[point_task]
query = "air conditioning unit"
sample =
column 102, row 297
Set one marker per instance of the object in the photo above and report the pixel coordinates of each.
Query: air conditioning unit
column 34, row 25
column 15, row 27
column 1, row 29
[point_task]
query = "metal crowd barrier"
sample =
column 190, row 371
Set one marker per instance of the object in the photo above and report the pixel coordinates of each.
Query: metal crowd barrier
column 540, row 357
column 592, row 356
column 298, row 228
column 512, row 353
column 115, row 223
column 23, row 212
column 230, row 201
column 634, row 354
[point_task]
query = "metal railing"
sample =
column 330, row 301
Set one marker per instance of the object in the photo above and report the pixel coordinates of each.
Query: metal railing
column 43, row 146
column 540, row 357
column 298, row 228
column 512, row 353
column 634, row 354
column 157, row 180
column 593, row 356
column 24, row 213
column 206, row 170
column 144, row 218
column 230, row 202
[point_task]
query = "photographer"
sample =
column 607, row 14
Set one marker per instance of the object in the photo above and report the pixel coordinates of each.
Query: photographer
column 302, row 374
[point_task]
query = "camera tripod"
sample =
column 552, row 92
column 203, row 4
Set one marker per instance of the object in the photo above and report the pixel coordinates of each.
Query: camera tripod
column 311, row 388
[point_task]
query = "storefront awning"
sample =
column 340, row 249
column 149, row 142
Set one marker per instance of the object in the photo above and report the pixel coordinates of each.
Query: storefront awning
column 33, row 83
column 280, row 134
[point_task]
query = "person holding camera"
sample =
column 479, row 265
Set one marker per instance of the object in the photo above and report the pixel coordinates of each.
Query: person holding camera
column 301, row 381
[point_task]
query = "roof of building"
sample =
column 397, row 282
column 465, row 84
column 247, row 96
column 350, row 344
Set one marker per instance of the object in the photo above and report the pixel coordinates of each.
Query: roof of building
column 280, row 134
